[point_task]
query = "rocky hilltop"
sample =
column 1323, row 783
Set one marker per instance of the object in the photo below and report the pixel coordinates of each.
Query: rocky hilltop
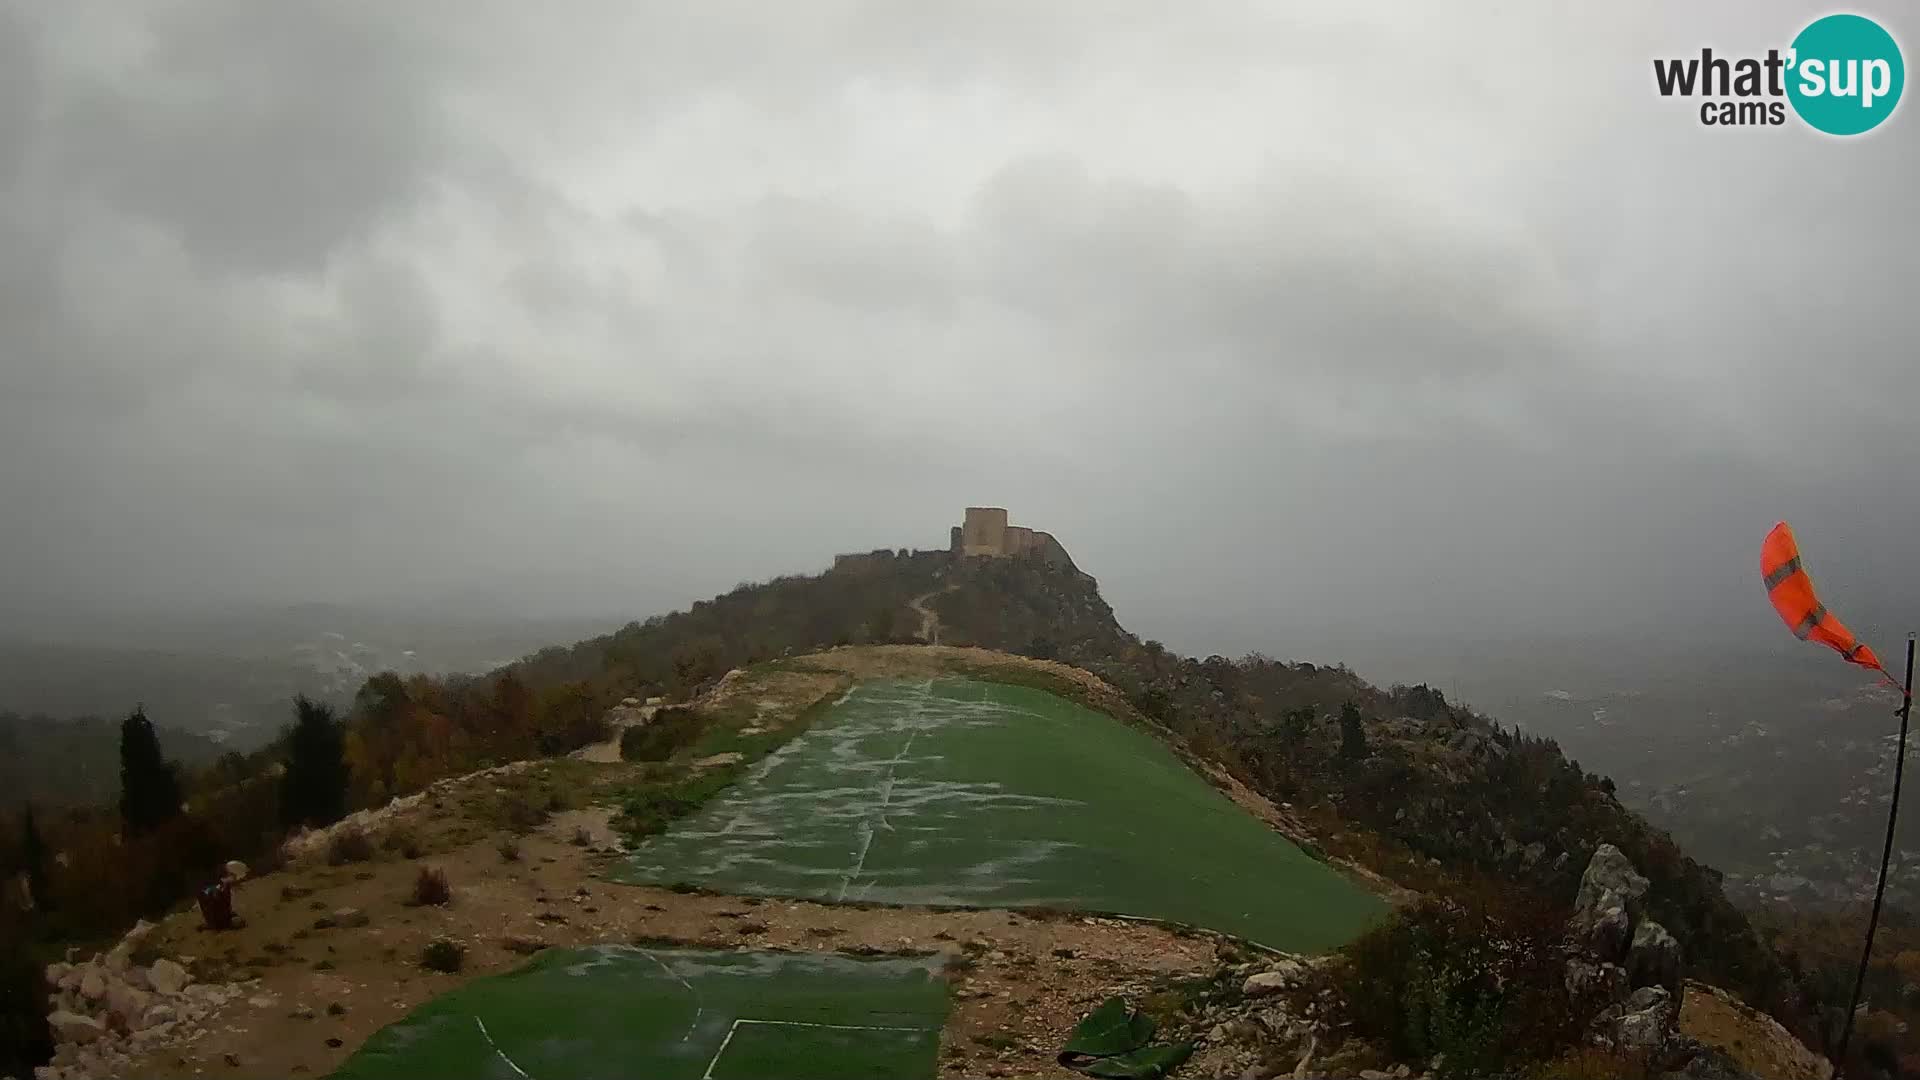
column 1526, row 894
column 339, row 940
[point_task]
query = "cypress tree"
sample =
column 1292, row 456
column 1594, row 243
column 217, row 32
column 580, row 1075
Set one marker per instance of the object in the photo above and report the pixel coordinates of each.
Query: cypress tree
column 33, row 852
column 149, row 789
column 314, row 789
column 1353, row 737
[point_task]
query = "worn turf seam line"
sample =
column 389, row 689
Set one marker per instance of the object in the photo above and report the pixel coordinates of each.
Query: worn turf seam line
column 698, row 1008
column 835, row 1027
column 886, row 789
column 886, row 795
column 708, row 1075
column 481, row 1024
column 734, row 1028
column 866, row 841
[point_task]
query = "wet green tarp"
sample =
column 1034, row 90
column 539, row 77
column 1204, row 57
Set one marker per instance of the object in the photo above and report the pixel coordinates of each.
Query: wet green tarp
column 1116, row 1044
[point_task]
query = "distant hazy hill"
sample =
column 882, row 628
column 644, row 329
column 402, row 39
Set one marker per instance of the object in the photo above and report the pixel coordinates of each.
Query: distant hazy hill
column 75, row 762
column 216, row 683
column 229, row 698
column 1772, row 761
column 233, row 677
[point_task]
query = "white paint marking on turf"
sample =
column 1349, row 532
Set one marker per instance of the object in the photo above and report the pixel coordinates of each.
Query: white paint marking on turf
column 477, row 1022
column 708, row 1075
column 886, row 789
column 917, row 707
column 835, row 1027
column 866, row 841
column 697, row 1007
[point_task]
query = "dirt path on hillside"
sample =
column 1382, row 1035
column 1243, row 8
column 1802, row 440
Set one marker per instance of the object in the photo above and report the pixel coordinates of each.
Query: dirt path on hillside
column 1021, row 980
column 929, row 619
column 863, row 662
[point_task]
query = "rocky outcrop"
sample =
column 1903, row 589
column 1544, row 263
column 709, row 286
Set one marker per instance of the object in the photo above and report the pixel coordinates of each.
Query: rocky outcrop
column 1751, row 1039
column 1609, row 896
column 1653, row 959
column 1605, row 932
column 1623, row 966
column 1589, row 980
column 1630, row 964
column 1608, row 927
column 1609, row 871
column 1644, row 1022
column 108, row 1009
column 1273, row 1028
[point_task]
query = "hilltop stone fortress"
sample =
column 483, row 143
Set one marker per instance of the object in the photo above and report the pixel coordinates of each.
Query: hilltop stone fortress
column 983, row 533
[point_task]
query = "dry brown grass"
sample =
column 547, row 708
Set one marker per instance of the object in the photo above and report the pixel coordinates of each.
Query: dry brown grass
column 1750, row 1037
column 431, row 888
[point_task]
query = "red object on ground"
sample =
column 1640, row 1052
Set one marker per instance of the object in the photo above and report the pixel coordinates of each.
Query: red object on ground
column 216, row 906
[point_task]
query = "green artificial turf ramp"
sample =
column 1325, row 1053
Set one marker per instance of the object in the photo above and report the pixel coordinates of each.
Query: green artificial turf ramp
column 957, row 792
column 761, row 1049
column 617, row 1012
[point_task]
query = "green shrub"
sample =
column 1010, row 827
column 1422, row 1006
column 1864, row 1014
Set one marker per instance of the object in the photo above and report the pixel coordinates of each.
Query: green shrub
column 403, row 840
column 522, row 812
column 1454, row 1010
column 1590, row 1063
column 1483, row 985
column 443, row 955
column 671, row 730
column 1353, row 735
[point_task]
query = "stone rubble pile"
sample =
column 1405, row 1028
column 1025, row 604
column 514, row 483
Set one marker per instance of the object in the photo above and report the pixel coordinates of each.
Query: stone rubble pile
column 632, row 712
column 310, row 845
column 107, row 1009
column 1267, row 1033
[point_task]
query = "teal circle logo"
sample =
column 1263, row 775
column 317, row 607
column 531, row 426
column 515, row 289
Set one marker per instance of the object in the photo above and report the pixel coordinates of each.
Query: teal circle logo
column 1845, row 74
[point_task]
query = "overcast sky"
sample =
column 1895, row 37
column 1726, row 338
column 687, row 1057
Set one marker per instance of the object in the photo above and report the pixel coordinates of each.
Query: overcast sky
column 1281, row 317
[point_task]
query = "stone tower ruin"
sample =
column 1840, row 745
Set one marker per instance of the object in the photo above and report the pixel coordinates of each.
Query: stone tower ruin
column 984, row 532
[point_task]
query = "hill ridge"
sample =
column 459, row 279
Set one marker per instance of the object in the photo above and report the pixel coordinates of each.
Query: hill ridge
column 1418, row 791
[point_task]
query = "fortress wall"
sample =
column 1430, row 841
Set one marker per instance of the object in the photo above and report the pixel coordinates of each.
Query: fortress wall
column 984, row 531
column 859, row 561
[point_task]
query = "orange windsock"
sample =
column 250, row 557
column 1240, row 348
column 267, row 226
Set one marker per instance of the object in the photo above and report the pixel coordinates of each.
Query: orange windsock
column 1791, row 591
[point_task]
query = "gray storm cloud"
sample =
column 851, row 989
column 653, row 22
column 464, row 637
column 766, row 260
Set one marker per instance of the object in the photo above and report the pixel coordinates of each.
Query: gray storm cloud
column 1279, row 318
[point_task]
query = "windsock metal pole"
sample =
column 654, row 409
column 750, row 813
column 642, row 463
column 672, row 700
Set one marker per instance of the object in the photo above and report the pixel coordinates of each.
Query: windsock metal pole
column 1886, row 856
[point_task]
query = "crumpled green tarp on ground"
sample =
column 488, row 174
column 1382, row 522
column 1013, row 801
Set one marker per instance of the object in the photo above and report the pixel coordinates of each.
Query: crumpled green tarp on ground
column 1114, row 1044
